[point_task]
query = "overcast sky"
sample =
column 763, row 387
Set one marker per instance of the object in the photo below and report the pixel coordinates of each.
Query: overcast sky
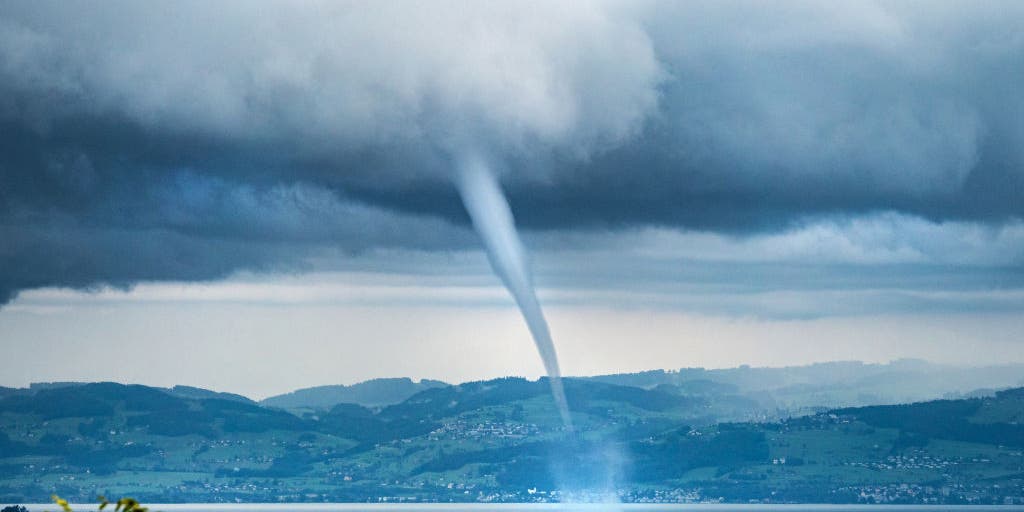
column 258, row 196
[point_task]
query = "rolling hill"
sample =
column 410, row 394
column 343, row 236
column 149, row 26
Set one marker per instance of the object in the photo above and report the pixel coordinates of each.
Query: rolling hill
column 371, row 393
column 501, row 440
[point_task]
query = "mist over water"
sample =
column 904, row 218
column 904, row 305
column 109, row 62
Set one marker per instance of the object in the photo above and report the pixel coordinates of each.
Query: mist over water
column 492, row 219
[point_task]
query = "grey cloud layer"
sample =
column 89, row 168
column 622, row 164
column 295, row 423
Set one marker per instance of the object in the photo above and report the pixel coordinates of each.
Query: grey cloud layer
column 184, row 141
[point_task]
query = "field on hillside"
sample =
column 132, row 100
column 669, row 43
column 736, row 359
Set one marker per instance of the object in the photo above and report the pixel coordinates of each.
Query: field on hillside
column 502, row 441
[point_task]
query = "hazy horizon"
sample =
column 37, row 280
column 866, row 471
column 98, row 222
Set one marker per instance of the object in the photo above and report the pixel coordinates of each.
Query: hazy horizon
column 893, row 363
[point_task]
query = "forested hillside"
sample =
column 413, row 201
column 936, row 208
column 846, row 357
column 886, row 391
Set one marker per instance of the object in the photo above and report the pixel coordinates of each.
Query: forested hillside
column 501, row 440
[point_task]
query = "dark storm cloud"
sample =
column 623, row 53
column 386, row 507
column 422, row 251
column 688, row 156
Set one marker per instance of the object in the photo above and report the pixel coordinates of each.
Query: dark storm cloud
column 183, row 141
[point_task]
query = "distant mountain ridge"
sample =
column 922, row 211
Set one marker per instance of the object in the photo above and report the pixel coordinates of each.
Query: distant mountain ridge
column 371, row 393
column 771, row 392
column 832, row 384
column 178, row 390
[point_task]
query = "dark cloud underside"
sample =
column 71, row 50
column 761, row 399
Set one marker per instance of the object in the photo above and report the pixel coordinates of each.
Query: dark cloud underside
column 182, row 141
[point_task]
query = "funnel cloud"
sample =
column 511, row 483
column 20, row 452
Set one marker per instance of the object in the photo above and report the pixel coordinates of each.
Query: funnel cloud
column 492, row 219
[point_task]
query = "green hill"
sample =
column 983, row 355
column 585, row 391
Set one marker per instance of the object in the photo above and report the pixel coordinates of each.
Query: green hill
column 371, row 393
column 194, row 392
column 502, row 440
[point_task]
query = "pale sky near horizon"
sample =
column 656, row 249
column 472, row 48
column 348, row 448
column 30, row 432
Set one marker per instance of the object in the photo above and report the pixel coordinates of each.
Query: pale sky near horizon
column 278, row 334
column 701, row 183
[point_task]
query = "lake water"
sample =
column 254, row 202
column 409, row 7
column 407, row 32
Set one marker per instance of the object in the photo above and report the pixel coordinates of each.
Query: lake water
column 539, row 507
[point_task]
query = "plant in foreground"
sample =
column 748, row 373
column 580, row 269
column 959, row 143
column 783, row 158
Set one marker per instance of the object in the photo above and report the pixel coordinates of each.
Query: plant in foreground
column 121, row 505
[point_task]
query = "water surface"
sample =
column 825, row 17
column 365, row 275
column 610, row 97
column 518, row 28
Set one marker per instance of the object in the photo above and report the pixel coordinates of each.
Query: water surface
column 537, row 507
